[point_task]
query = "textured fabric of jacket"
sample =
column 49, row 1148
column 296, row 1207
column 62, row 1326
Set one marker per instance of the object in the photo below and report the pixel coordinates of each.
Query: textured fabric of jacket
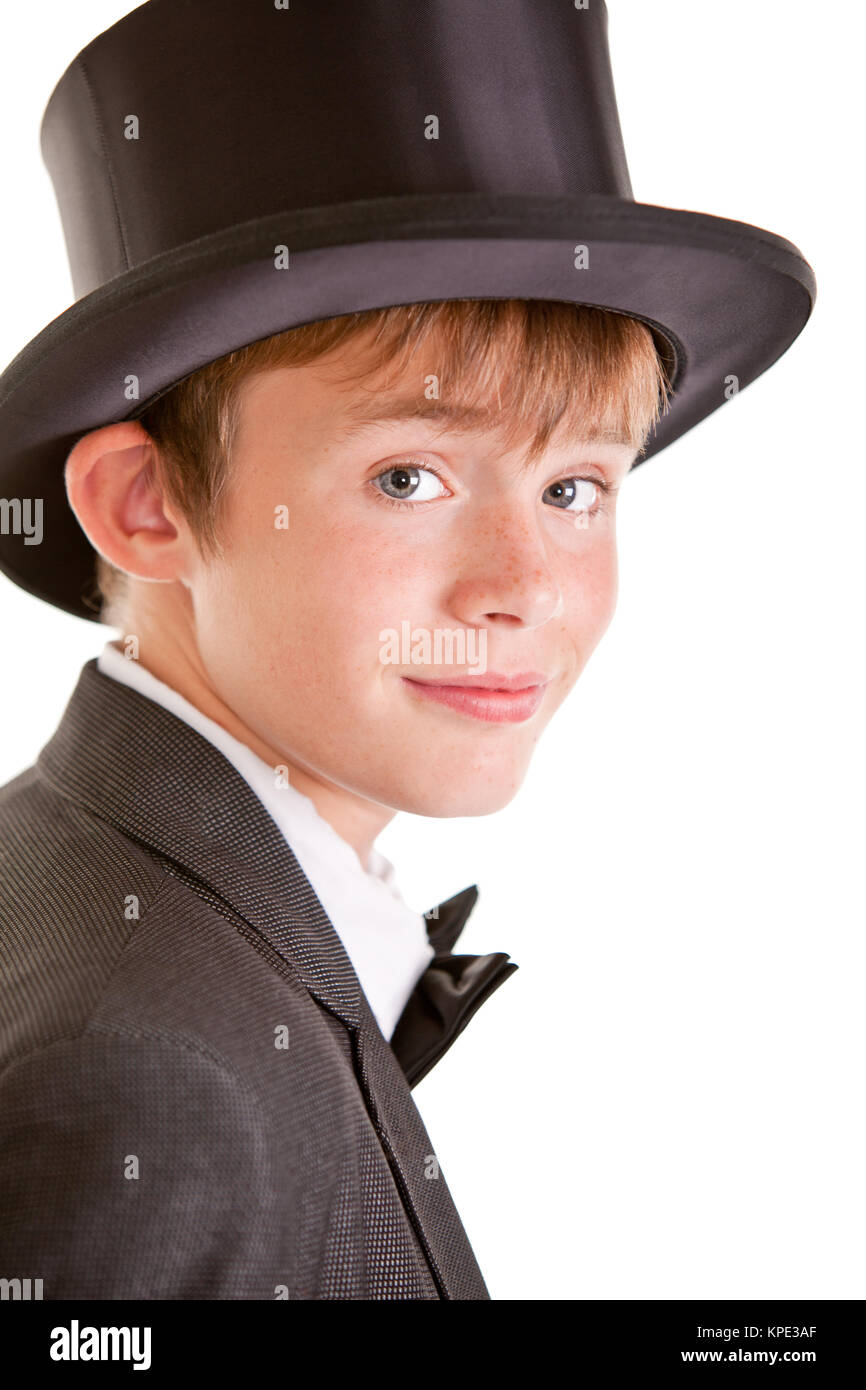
column 196, row 1101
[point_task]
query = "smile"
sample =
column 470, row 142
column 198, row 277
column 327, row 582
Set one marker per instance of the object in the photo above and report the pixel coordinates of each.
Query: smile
column 490, row 703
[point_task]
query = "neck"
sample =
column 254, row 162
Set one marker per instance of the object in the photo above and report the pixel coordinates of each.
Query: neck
column 178, row 664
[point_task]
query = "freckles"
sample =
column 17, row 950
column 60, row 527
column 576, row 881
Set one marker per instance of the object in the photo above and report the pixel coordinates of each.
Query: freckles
column 591, row 585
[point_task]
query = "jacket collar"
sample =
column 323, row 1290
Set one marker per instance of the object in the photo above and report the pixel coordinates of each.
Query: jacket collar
column 133, row 763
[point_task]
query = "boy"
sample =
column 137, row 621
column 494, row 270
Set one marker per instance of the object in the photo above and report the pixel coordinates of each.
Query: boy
column 356, row 564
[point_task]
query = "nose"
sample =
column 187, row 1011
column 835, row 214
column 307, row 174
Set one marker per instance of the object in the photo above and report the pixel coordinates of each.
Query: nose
column 503, row 573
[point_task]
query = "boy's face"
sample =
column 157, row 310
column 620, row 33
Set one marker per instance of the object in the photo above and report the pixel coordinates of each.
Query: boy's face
column 293, row 626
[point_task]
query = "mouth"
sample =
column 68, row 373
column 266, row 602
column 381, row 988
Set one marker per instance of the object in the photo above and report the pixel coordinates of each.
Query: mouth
column 492, row 698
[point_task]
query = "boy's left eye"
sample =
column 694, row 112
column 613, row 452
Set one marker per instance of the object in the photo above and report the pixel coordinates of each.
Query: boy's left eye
column 572, row 494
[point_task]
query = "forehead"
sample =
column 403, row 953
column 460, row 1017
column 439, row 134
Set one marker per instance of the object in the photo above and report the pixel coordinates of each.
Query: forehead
column 350, row 395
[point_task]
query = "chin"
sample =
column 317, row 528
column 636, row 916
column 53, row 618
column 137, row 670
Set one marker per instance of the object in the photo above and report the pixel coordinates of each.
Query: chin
column 459, row 796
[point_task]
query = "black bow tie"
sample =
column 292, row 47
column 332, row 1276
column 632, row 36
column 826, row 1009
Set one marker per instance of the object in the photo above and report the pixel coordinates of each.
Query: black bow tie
column 449, row 992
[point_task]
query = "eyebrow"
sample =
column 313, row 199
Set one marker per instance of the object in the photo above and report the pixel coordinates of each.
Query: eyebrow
column 461, row 416
column 391, row 410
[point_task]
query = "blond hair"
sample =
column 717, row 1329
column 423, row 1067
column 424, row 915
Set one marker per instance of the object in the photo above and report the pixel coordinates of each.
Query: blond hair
column 546, row 364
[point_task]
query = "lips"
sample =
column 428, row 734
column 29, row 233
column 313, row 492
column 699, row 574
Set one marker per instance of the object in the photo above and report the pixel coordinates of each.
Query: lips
column 492, row 680
column 493, row 698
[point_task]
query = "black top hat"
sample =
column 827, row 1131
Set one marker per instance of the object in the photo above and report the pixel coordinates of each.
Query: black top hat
column 401, row 152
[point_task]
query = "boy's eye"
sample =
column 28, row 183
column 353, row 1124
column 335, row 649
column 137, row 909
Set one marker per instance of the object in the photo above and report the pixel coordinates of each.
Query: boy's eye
column 408, row 483
column 572, row 494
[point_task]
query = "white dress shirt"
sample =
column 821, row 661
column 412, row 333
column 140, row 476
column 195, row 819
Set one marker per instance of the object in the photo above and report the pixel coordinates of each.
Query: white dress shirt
column 385, row 940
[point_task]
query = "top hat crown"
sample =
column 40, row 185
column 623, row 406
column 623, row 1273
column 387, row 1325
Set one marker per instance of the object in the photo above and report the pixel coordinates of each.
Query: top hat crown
column 187, row 119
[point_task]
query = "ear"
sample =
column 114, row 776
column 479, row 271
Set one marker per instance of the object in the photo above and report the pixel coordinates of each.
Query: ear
column 113, row 488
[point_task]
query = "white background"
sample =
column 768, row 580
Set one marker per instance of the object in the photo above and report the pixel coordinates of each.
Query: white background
column 666, row 1100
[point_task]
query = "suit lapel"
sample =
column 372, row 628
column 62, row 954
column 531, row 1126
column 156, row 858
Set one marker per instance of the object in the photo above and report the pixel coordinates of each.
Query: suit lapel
column 137, row 765
column 415, row 1166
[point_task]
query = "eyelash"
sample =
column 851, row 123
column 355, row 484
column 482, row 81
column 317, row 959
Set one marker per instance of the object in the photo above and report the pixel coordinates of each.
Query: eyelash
column 606, row 489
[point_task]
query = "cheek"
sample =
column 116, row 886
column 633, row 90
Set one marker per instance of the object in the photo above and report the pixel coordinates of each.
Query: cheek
column 323, row 587
column 590, row 592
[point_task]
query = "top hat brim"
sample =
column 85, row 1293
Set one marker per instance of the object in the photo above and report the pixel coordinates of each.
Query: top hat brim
column 727, row 297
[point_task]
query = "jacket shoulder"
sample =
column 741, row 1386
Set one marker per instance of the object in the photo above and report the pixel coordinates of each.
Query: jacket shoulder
column 73, row 889
column 136, row 1167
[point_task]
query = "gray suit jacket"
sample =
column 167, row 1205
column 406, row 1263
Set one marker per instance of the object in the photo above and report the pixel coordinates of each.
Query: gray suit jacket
column 196, row 1101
